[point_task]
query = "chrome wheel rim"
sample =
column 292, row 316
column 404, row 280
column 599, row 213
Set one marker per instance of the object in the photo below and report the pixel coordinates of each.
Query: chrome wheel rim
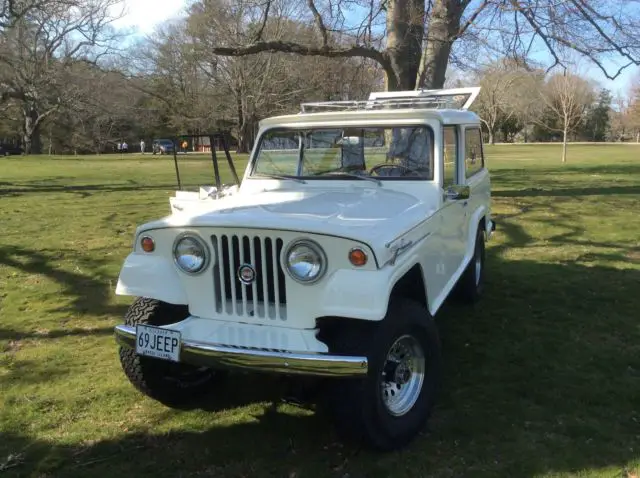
column 403, row 375
column 478, row 268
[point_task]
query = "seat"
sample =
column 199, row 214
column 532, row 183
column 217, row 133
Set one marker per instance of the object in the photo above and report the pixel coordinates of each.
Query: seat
column 412, row 147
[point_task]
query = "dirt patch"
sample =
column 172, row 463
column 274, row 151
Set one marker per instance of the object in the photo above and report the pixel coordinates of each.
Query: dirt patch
column 633, row 255
column 12, row 346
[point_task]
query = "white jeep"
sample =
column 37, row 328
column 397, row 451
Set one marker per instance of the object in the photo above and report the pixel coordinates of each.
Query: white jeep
column 352, row 224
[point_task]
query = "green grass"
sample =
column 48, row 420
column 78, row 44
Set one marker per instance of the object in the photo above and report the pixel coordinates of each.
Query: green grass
column 542, row 378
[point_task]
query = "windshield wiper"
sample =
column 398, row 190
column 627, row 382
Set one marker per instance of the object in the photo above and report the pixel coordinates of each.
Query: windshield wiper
column 338, row 172
column 279, row 176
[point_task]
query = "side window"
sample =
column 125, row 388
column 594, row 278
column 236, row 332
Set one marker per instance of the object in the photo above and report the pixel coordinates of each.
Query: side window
column 473, row 159
column 450, row 142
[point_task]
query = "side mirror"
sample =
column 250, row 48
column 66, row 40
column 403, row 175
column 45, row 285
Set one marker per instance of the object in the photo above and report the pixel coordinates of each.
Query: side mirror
column 457, row 192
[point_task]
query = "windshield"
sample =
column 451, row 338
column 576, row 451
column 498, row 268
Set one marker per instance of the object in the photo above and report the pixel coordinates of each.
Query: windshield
column 399, row 152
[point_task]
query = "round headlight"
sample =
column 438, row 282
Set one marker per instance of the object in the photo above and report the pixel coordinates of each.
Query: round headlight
column 305, row 261
column 190, row 253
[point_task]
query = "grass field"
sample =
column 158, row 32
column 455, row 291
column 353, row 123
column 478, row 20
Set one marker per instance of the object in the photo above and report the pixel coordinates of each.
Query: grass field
column 542, row 378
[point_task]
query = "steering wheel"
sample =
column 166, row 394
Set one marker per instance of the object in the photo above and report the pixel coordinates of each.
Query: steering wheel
column 387, row 165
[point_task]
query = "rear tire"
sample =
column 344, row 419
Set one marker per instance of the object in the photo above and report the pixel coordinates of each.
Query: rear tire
column 173, row 384
column 388, row 408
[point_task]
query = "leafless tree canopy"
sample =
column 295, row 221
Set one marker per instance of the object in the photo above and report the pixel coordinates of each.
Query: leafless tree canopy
column 413, row 40
column 509, row 93
column 229, row 63
column 242, row 90
column 40, row 42
column 567, row 98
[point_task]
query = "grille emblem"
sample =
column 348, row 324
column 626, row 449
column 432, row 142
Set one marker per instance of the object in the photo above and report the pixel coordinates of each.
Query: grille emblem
column 246, row 274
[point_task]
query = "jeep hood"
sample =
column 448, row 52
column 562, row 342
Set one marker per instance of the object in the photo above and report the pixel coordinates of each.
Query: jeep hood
column 370, row 215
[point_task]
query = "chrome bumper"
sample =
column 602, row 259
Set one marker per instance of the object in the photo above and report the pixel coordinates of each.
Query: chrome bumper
column 222, row 356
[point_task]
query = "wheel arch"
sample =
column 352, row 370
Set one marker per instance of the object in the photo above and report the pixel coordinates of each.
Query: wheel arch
column 412, row 286
column 478, row 220
column 409, row 285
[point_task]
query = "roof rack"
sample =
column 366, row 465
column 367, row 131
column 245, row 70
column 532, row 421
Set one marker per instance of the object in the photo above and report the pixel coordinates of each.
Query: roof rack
column 455, row 98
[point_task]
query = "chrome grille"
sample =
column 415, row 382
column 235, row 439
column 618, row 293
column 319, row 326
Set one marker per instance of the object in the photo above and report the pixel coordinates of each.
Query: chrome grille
column 265, row 297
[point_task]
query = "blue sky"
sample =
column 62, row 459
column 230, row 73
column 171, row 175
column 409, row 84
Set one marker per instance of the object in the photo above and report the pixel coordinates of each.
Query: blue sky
column 622, row 84
column 144, row 15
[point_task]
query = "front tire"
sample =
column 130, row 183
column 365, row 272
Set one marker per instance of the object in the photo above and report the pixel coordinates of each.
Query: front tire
column 170, row 383
column 389, row 408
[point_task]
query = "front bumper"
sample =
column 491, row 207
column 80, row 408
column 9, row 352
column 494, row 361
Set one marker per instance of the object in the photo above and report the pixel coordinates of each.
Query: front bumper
column 281, row 362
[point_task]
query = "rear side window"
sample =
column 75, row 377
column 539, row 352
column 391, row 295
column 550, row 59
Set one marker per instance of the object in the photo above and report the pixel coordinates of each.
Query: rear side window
column 473, row 159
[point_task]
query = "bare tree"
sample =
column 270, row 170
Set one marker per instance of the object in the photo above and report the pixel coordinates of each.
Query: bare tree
column 634, row 110
column 524, row 99
column 621, row 127
column 413, row 41
column 39, row 44
column 508, row 90
column 567, row 97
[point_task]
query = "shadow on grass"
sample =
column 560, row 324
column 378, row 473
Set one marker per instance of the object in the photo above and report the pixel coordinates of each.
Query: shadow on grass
column 531, row 171
column 38, row 187
column 10, row 334
column 565, row 181
column 542, row 376
column 29, row 372
column 571, row 192
column 90, row 294
column 561, row 215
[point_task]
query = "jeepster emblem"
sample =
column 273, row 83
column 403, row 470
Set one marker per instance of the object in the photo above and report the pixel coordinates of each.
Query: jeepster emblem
column 246, row 274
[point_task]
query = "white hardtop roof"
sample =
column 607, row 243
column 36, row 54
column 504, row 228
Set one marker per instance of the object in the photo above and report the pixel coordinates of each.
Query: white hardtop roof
column 379, row 116
column 449, row 106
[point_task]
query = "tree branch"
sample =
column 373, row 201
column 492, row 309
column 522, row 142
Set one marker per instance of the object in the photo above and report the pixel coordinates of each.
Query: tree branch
column 319, row 23
column 532, row 21
column 258, row 36
column 472, row 18
column 291, row 47
column 44, row 115
column 8, row 95
column 579, row 5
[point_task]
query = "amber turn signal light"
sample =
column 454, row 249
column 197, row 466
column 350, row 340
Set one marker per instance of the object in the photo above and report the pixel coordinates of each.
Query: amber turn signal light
column 147, row 244
column 357, row 257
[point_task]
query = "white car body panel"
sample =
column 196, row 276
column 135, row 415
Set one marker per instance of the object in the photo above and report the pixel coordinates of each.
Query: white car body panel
column 145, row 275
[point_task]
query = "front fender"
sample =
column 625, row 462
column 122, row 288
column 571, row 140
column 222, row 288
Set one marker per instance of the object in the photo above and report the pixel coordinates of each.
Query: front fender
column 151, row 276
column 350, row 293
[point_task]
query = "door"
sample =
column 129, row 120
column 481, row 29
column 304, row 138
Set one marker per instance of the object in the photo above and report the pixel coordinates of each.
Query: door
column 448, row 246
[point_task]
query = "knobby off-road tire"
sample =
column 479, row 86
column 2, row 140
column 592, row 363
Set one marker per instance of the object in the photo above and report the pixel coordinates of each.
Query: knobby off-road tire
column 173, row 384
column 471, row 284
column 365, row 410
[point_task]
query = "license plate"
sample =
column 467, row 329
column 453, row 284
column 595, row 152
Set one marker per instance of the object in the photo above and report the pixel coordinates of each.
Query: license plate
column 158, row 342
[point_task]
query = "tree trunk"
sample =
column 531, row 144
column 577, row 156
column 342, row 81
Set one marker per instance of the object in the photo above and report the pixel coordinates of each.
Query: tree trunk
column 50, row 139
column 242, row 126
column 444, row 24
column 31, row 131
column 405, row 30
column 492, row 139
column 245, row 133
column 564, row 145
